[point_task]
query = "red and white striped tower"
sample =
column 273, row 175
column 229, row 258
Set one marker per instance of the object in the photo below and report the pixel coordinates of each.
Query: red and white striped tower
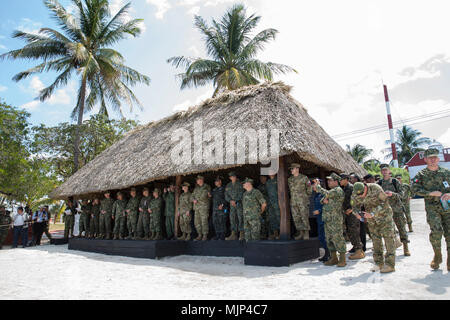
column 391, row 128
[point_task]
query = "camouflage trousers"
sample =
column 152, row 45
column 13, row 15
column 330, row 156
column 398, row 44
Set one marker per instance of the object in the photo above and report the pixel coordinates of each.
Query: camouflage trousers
column 334, row 236
column 143, row 225
column 383, row 229
column 400, row 223
column 265, row 225
column 439, row 222
column 93, row 226
column 274, row 218
column 236, row 218
column 83, row 227
column 120, row 226
column 201, row 220
column 105, row 224
column 252, row 227
column 155, row 222
column 408, row 211
column 353, row 231
column 300, row 215
column 185, row 223
column 170, row 226
column 69, row 222
column 132, row 219
column 219, row 221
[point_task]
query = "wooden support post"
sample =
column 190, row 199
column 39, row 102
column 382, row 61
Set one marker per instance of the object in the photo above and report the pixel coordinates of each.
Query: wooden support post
column 283, row 201
column 177, row 197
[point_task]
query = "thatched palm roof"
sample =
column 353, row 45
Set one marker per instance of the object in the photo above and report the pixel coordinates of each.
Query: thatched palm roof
column 143, row 155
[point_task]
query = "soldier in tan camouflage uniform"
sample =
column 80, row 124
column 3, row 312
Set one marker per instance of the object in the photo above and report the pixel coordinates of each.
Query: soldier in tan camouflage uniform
column 406, row 199
column 184, row 212
column 300, row 191
column 200, row 199
column 433, row 183
column 379, row 215
column 332, row 217
column 254, row 204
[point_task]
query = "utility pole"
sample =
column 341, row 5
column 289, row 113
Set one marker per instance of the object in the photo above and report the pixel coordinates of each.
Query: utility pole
column 391, row 128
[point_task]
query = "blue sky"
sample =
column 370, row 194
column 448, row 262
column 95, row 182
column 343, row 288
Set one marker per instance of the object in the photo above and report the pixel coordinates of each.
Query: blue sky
column 342, row 50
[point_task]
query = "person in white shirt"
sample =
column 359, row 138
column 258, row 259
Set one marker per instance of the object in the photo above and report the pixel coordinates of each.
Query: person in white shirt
column 19, row 220
column 39, row 220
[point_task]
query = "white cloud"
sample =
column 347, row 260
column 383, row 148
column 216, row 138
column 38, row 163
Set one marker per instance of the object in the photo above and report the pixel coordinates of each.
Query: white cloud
column 29, row 26
column 192, row 102
column 3, row 88
column 30, row 106
column 162, row 6
column 445, row 138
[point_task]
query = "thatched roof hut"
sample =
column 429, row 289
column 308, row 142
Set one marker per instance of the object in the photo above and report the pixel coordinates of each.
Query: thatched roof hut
column 143, row 155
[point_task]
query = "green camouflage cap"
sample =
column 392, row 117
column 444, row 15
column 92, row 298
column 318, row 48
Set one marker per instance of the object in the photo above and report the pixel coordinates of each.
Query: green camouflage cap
column 294, row 165
column 232, row 174
column 358, row 188
column 146, row 189
column 334, row 177
column 157, row 190
column 219, row 178
column 344, row 176
column 248, row 180
column 384, row 165
column 186, row 184
column 200, row 177
column 432, row 152
column 132, row 189
column 120, row 193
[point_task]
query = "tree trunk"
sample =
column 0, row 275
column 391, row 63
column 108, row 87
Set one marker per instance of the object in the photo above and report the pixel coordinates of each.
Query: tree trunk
column 76, row 152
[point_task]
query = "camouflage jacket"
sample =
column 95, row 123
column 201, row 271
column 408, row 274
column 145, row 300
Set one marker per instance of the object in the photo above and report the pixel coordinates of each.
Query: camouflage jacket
column 348, row 190
column 234, row 191
column 185, row 202
column 86, row 209
column 156, row 206
column 406, row 192
column 263, row 189
column 118, row 209
column 133, row 204
column 106, row 205
column 201, row 195
column 169, row 199
column 252, row 202
column 395, row 187
column 332, row 211
column 300, row 189
column 375, row 202
column 427, row 181
column 95, row 211
column 272, row 191
column 144, row 203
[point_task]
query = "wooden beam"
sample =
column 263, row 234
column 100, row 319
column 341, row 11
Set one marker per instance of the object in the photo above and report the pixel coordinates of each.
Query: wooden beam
column 177, row 197
column 283, row 201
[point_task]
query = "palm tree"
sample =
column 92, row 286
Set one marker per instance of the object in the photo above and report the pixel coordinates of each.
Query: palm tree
column 408, row 143
column 371, row 164
column 233, row 51
column 83, row 48
column 358, row 152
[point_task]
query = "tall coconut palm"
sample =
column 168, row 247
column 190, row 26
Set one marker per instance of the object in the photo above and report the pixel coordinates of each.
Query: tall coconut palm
column 83, row 48
column 408, row 143
column 358, row 152
column 233, row 52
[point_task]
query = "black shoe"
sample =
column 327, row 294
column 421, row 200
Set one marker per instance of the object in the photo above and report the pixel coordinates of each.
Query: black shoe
column 352, row 250
column 326, row 256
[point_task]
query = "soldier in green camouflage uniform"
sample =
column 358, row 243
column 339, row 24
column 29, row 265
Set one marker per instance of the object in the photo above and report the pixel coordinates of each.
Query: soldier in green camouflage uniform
column 300, row 191
column 95, row 212
column 5, row 225
column 332, row 218
column 143, row 227
column 273, row 208
column 169, row 211
column 262, row 187
column 433, row 183
column 406, row 198
column 233, row 194
column 219, row 205
column 132, row 214
column 394, row 191
column 379, row 217
column 155, row 210
column 184, row 212
column 85, row 213
column 119, row 216
column 105, row 220
column 69, row 219
column 254, row 205
column 200, row 199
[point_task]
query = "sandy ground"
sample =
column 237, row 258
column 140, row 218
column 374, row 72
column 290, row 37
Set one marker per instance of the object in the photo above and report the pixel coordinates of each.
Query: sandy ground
column 54, row 272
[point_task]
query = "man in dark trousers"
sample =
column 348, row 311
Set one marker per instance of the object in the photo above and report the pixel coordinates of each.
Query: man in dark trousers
column 40, row 218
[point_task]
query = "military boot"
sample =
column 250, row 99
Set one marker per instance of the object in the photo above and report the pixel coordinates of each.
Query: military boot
column 359, row 254
column 306, row 235
column 241, row 236
column 437, row 259
column 222, row 236
column 120, row 237
column 116, row 237
column 376, row 268
column 158, row 236
column 232, row 236
column 410, row 227
column 277, row 235
column 188, row 237
column 205, row 237
column 406, row 249
column 386, row 269
column 326, row 256
column 300, row 235
column 199, row 237
column 342, row 262
column 333, row 259
column 183, row 236
column 398, row 243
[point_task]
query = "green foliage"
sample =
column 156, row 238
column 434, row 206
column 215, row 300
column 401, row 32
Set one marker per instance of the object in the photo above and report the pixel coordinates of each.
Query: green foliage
column 358, row 152
column 233, row 52
column 395, row 171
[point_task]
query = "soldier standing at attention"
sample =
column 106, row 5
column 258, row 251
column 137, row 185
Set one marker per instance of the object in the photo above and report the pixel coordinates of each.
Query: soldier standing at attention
column 332, row 217
column 300, row 190
column 273, row 208
column 262, row 187
column 393, row 189
column 406, row 198
column 95, row 212
column 105, row 220
column 254, row 205
column 84, row 216
column 69, row 219
column 5, row 225
column 155, row 210
column 200, row 199
column 119, row 216
column 219, row 206
column 169, row 210
column 379, row 215
column 184, row 212
column 233, row 194
column 132, row 214
column 353, row 224
column 433, row 183
column 143, row 227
